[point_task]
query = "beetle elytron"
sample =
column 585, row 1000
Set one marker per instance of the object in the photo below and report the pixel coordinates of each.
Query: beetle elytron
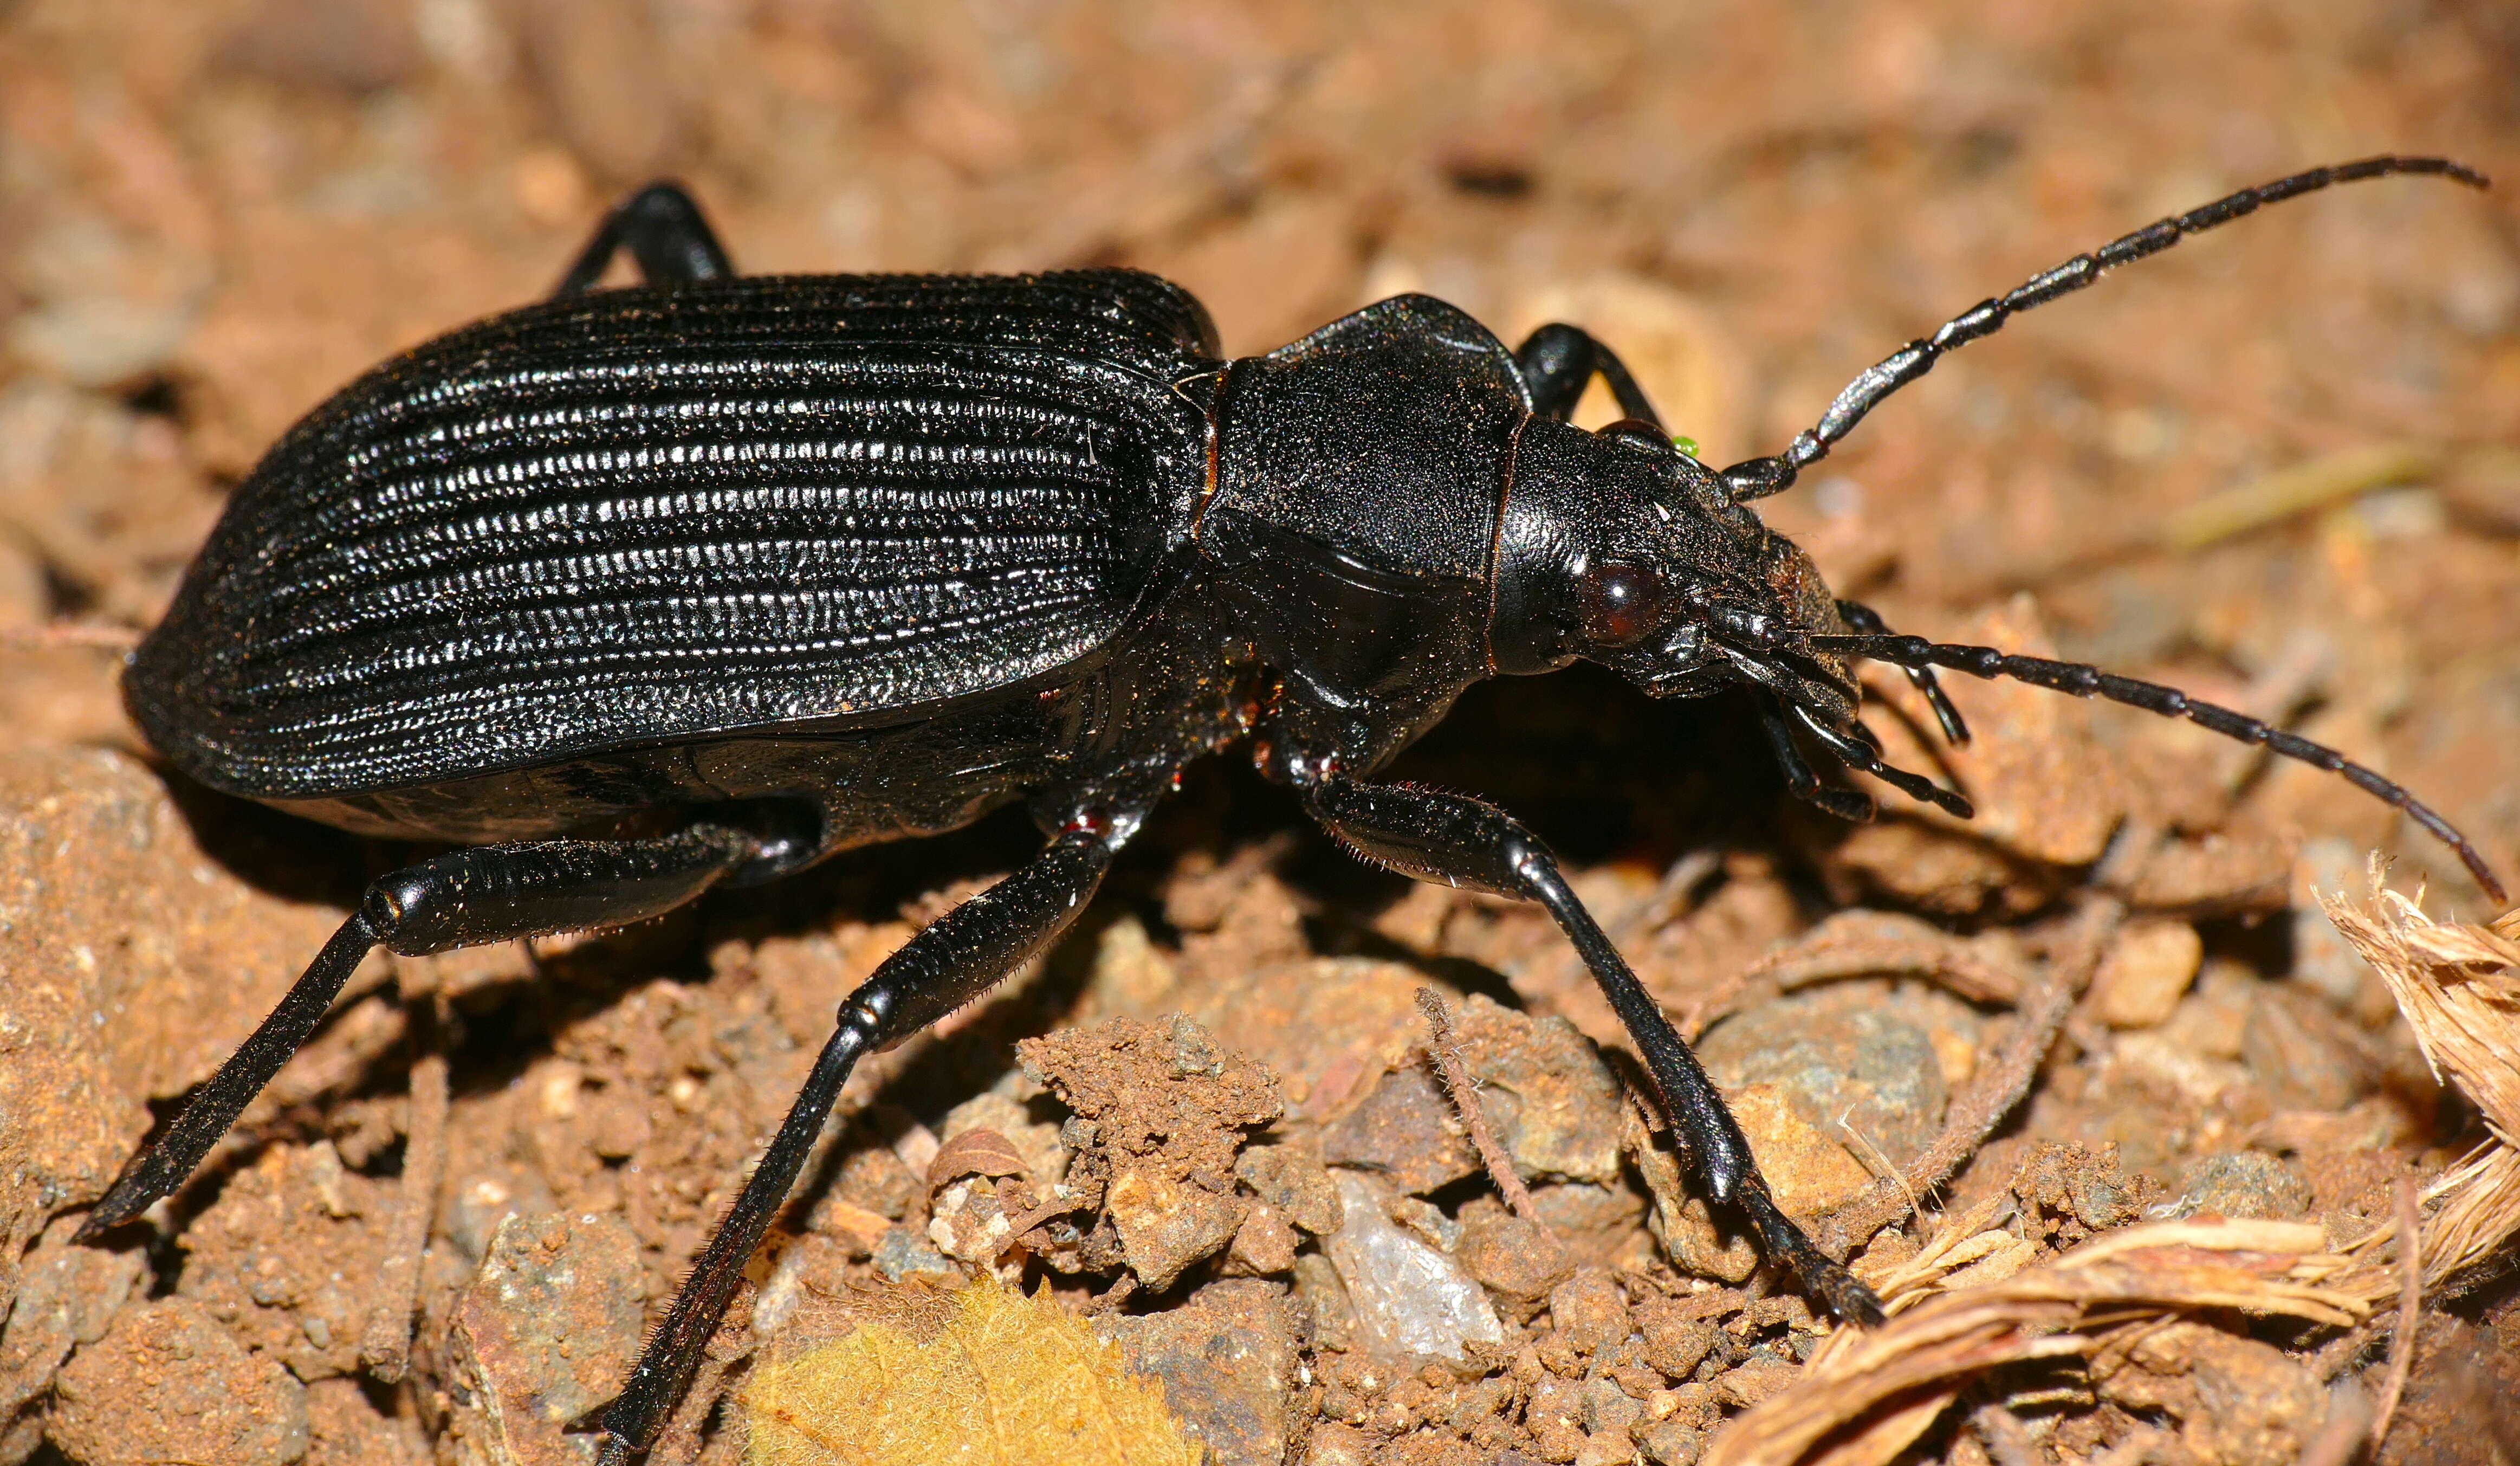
column 647, row 590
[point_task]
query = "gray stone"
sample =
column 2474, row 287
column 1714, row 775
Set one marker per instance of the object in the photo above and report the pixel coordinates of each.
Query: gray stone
column 1859, row 1052
column 1227, row 1360
column 1414, row 1304
column 2243, row 1183
column 903, row 1252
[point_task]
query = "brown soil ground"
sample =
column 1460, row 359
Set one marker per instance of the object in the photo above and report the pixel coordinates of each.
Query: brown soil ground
column 213, row 214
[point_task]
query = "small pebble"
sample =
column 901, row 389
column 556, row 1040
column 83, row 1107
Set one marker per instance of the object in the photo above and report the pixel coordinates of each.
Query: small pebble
column 1411, row 1303
column 1291, row 1180
column 2145, row 973
column 903, row 1252
column 1671, row 1444
column 1517, row 1261
column 1166, row 1225
column 1588, row 1310
column 2243, row 1183
column 1227, row 1360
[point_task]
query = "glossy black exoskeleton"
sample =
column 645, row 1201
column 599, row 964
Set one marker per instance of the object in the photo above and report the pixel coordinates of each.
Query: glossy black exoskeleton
column 784, row 566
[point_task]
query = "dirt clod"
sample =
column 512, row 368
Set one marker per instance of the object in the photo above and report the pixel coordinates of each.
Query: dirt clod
column 287, row 1258
column 166, row 1382
column 544, row 1334
column 2235, row 1401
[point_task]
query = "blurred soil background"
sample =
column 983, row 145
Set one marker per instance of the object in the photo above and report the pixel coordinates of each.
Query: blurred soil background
column 2278, row 467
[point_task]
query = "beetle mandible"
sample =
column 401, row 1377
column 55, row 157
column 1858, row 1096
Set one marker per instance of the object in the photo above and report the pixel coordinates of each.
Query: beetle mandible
column 805, row 563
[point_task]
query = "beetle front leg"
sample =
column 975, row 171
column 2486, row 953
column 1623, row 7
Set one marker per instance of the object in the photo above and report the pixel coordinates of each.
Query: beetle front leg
column 663, row 230
column 959, row 956
column 1558, row 361
column 1463, row 842
column 468, row 899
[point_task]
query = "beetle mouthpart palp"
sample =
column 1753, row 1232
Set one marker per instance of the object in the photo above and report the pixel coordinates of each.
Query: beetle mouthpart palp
column 1860, row 750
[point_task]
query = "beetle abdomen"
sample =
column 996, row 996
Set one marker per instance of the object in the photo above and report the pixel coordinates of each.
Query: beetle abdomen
column 755, row 504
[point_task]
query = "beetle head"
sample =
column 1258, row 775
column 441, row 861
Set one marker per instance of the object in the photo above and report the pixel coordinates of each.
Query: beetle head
column 1618, row 548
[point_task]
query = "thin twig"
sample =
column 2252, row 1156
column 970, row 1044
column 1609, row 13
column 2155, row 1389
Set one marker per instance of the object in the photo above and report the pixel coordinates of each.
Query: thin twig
column 1977, row 1111
column 1113, row 1297
column 384, row 1344
column 1446, row 1056
column 2410, row 1303
column 1831, row 956
column 50, row 634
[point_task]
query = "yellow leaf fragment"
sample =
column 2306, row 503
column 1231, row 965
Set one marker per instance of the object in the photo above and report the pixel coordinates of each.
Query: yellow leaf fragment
column 980, row 1377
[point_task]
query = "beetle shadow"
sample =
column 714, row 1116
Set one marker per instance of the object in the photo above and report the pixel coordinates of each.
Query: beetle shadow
column 276, row 853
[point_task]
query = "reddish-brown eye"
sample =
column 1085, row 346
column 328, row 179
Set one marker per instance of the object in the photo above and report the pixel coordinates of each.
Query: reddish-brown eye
column 1619, row 603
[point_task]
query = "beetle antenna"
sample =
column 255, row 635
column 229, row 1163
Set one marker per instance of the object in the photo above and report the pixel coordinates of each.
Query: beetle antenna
column 2085, row 681
column 1861, row 618
column 1758, row 476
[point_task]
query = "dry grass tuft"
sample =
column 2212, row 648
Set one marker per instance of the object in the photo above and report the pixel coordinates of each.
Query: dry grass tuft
column 1968, row 1302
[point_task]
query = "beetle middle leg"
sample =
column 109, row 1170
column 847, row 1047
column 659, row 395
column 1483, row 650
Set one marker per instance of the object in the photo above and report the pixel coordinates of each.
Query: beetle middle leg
column 1558, row 361
column 1463, row 841
column 959, row 956
column 663, row 230
column 466, row 898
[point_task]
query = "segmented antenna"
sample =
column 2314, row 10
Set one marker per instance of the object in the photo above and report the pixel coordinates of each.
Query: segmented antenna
column 1758, row 476
column 2083, row 681
column 1865, row 618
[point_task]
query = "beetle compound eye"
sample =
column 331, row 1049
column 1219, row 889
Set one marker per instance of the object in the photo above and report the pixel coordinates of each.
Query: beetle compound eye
column 1619, row 603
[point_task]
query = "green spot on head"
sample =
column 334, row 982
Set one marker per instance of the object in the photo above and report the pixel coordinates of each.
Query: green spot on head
column 1684, row 444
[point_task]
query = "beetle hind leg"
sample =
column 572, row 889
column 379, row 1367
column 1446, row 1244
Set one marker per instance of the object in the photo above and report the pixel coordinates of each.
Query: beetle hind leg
column 663, row 230
column 465, row 899
column 1453, row 839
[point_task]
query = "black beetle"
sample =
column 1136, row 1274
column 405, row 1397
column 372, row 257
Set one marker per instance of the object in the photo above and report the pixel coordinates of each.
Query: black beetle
column 643, row 591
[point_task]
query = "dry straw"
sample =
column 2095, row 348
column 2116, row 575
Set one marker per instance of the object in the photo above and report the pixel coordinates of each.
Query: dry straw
column 1968, row 1303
